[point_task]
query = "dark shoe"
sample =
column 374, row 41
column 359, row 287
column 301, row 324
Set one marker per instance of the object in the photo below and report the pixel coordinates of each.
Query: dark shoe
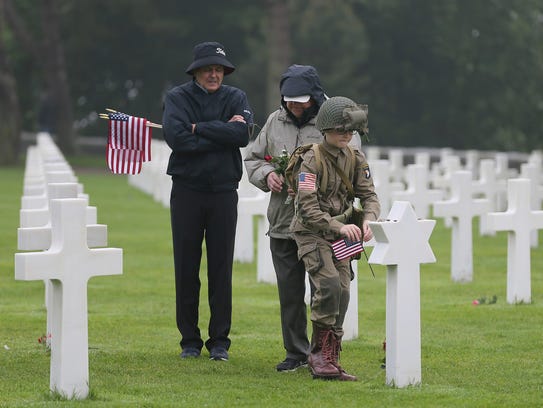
column 290, row 364
column 322, row 360
column 190, row 352
column 218, row 354
column 344, row 376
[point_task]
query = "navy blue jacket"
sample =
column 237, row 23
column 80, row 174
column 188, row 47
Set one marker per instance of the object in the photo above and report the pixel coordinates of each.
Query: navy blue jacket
column 208, row 159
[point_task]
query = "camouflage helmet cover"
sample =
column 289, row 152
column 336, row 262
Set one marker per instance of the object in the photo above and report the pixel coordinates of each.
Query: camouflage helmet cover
column 342, row 113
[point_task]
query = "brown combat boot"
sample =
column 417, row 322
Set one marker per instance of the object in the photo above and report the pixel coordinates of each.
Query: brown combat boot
column 321, row 358
column 343, row 375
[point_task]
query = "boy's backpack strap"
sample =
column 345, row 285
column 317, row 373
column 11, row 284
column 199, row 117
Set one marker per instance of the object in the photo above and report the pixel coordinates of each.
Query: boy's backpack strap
column 346, row 179
column 320, row 168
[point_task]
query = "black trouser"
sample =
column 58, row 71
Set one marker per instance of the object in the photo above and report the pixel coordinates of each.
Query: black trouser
column 291, row 285
column 194, row 216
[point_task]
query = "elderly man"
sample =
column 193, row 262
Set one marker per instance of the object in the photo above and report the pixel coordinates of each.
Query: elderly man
column 205, row 123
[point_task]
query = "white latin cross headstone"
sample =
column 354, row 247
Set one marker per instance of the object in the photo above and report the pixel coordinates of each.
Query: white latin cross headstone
column 461, row 207
column 258, row 206
column 417, row 192
column 519, row 220
column 423, row 158
column 69, row 264
column 402, row 244
column 39, row 238
column 395, row 158
column 244, row 245
column 490, row 188
column 533, row 173
column 380, row 170
column 472, row 162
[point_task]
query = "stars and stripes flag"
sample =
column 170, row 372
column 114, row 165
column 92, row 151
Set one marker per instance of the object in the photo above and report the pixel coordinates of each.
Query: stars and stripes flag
column 129, row 143
column 344, row 248
column 307, row 181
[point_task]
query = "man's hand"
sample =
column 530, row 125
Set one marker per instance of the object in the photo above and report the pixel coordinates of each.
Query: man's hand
column 274, row 182
column 237, row 118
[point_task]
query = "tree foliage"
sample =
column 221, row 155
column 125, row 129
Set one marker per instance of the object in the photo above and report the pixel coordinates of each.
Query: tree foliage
column 464, row 73
column 10, row 123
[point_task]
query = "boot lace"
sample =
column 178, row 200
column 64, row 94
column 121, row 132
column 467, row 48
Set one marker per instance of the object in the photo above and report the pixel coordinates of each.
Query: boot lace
column 328, row 342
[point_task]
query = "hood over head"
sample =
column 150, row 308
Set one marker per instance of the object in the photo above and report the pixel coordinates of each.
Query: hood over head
column 300, row 81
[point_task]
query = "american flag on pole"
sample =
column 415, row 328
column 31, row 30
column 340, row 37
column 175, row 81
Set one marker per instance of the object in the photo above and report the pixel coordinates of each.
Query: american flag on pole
column 344, row 248
column 129, row 143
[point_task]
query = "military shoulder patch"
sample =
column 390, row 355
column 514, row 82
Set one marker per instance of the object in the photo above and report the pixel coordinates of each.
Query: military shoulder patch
column 366, row 169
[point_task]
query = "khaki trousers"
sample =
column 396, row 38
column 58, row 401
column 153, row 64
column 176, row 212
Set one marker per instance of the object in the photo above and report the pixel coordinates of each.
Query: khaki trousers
column 330, row 280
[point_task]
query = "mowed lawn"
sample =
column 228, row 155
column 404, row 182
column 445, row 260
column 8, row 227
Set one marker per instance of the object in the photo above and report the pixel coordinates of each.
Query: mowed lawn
column 472, row 356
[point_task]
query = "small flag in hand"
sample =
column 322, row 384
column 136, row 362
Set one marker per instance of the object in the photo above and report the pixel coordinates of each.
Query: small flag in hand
column 129, row 143
column 344, row 248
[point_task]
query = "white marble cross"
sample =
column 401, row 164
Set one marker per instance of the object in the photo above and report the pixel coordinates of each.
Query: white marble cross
column 417, row 192
column 402, row 244
column 395, row 158
column 462, row 208
column 39, row 238
column 447, row 167
column 380, row 170
column 69, row 264
column 490, row 188
column 472, row 162
column 40, row 216
column 350, row 325
column 258, row 206
column 503, row 172
column 423, row 158
column 533, row 173
column 244, row 245
column 519, row 220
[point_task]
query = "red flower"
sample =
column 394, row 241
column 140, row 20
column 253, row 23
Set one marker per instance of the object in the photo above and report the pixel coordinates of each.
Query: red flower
column 268, row 158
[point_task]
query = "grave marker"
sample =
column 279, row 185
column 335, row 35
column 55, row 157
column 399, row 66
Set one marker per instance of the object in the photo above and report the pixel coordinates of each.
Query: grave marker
column 519, row 221
column 402, row 245
column 417, row 192
column 533, row 173
column 461, row 208
column 69, row 264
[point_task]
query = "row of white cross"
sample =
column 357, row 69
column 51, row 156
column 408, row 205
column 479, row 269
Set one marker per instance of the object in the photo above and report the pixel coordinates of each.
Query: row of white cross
column 59, row 226
column 401, row 243
column 485, row 187
column 455, row 192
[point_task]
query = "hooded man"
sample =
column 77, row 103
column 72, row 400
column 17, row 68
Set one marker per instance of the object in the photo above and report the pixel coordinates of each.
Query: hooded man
column 292, row 125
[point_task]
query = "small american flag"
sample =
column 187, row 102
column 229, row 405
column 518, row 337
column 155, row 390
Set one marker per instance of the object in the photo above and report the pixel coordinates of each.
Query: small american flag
column 307, row 181
column 129, row 143
column 344, row 248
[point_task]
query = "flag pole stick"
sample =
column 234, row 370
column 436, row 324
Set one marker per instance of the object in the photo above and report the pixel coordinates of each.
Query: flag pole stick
column 148, row 124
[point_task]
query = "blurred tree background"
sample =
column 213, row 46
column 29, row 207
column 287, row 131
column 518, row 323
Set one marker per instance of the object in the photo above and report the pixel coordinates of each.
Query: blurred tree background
column 450, row 73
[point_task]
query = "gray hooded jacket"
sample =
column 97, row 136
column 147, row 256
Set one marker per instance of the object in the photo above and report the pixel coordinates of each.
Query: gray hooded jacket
column 281, row 132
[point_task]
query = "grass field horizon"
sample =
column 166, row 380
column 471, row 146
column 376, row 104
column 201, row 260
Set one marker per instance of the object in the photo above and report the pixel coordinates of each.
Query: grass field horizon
column 472, row 356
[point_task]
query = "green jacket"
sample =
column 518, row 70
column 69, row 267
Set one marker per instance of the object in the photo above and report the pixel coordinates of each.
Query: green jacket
column 315, row 211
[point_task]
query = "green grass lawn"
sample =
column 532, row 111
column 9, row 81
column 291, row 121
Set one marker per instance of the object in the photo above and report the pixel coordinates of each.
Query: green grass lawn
column 472, row 356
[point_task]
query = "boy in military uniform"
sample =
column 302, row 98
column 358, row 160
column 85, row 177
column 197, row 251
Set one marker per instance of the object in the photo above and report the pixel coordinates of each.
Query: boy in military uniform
column 325, row 191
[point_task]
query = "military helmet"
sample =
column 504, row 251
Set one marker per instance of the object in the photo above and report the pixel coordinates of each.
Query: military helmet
column 341, row 113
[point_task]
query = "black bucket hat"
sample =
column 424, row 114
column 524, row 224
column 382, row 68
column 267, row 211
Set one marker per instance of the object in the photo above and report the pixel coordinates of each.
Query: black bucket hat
column 210, row 53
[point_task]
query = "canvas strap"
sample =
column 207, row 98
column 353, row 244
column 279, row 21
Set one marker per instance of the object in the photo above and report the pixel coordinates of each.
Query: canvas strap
column 339, row 171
